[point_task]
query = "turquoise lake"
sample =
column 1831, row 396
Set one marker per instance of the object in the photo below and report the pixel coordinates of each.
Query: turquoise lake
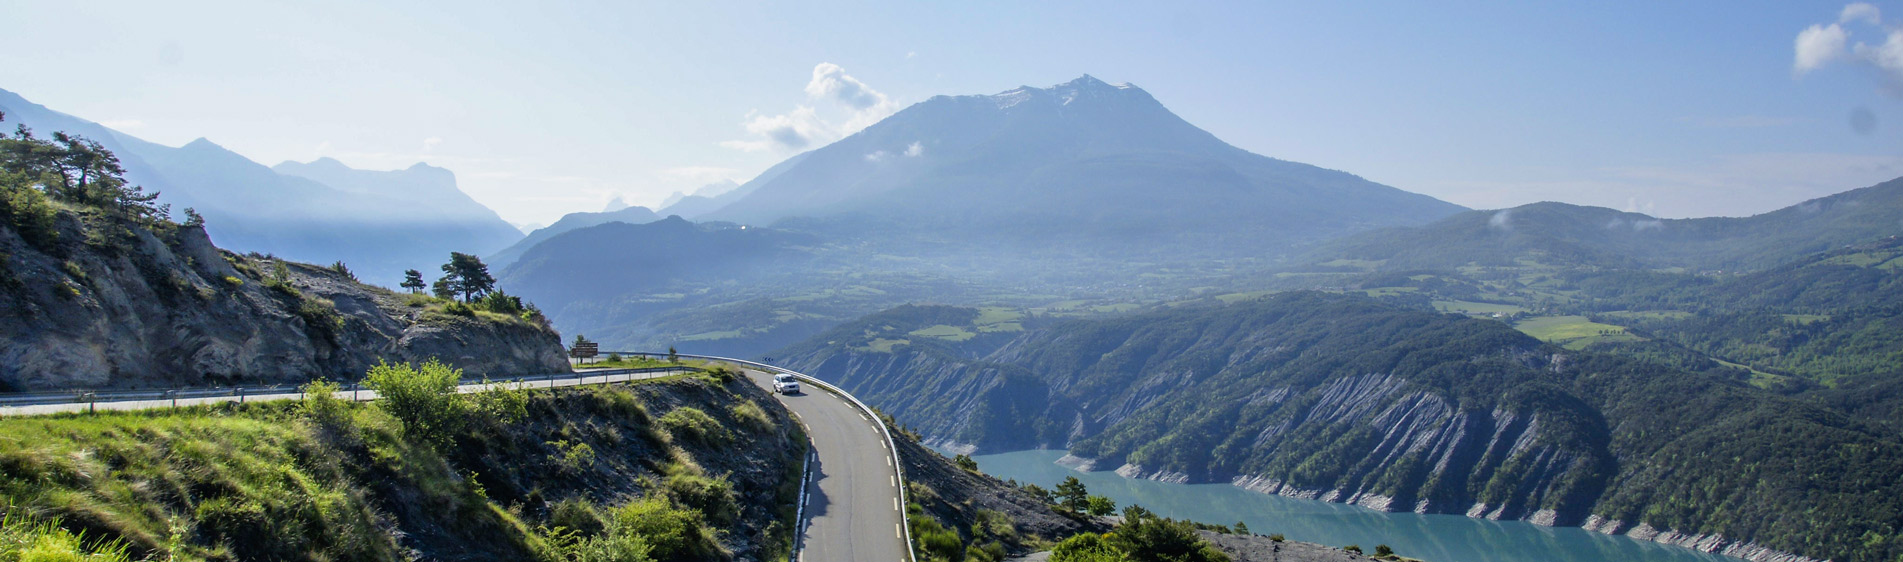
column 1435, row 538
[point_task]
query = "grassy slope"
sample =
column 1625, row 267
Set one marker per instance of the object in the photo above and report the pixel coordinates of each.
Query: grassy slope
column 265, row 481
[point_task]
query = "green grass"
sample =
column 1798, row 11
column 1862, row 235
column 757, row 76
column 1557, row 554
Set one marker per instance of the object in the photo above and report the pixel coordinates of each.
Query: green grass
column 944, row 332
column 1803, row 319
column 1466, row 307
column 884, row 345
column 1650, row 314
column 1859, row 259
column 1573, row 332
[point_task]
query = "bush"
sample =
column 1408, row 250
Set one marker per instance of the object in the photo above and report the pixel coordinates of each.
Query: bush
column 424, row 399
column 578, row 515
column 574, row 456
column 1087, row 547
column 694, row 425
column 500, row 402
column 965, row 462
column 322, row 405
column 459, row 309
column 1099, row 506
column 713, row 497
column 671, row 532
column 750, row 414
column 1383, row 550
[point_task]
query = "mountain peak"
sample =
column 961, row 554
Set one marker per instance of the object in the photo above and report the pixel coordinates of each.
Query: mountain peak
column 1084, row 87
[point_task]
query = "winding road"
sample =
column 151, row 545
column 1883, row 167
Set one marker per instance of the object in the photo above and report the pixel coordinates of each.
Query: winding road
column 853, row 512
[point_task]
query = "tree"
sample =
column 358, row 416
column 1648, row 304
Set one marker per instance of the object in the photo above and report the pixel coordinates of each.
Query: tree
column 412, row 280
column 1099, row 506
column 1241, row 528
column 77, row 170
column 1086, row 547
column 1073, row 495
column 672, row 356
column 424, row 399
column 466, row 275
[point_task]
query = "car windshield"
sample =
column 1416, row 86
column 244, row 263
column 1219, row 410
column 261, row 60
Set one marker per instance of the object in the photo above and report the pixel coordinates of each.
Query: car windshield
column 783, row 378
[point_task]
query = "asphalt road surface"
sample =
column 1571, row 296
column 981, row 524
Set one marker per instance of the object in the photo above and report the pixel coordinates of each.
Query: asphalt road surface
column 852, row 507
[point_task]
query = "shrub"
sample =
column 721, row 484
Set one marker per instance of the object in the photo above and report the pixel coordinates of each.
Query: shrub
column 234, row 281
column 1086, row 547
column 750, row 414
column 322, row 405
column 694, row 425
column 1352, row 548
column 344, row 270
column 672, row 533
column 578, row 515
column 713, row 497
column 500, row 402
column 573, row 456
column 459, row 309
column 1277, row 537
column 424, row 399
column 965, row 462
column 935, row 542
column 1099, row 506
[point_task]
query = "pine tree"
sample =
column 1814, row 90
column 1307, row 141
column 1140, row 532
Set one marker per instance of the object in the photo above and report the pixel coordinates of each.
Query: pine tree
column 412, row 280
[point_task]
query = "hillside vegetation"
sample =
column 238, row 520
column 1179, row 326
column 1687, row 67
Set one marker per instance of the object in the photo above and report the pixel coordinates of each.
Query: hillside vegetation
column 1347, row 399
column 598, row 473
column 102, row 289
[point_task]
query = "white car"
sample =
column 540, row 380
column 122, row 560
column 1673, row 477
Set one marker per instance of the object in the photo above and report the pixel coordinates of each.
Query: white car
column 786, row 384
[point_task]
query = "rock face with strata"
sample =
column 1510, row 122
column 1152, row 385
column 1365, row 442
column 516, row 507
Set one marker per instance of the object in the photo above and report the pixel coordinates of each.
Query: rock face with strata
column 1346, row 400
column 107, row 305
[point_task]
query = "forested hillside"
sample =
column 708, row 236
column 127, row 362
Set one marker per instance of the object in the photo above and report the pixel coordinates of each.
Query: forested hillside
column 1348, row 399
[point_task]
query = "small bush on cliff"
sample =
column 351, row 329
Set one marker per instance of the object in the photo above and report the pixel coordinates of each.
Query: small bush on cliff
column 713, row 497
column 423, row 399
column 690, row 423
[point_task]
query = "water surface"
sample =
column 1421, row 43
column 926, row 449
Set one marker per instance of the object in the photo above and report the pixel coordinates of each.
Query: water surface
column 1436, row 538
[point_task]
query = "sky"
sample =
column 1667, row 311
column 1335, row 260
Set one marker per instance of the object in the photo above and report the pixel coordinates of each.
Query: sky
column 1678, row 109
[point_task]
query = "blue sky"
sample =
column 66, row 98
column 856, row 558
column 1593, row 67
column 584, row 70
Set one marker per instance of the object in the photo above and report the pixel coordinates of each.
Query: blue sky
column 1678, row 109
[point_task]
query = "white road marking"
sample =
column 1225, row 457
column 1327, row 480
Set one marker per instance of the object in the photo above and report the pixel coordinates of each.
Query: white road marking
column 895, row 481
column 895, row 504
column 897, row 532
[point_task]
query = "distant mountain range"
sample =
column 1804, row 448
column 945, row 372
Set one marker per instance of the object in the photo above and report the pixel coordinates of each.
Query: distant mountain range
column 571, row 221
column 379, row 223
column 1034, row 190
column 1083, row 165
column 1572, row 235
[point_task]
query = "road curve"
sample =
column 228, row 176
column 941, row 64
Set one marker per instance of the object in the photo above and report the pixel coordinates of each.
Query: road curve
column 852, row 509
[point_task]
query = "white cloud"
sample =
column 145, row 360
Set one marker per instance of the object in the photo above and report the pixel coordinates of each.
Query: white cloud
column 1817, row 45
column 1820, row 45
column 429, row 144
column 1499, row 220
column 859, row 104
column 876, row 156
column 915, row 150
column 1861, row 11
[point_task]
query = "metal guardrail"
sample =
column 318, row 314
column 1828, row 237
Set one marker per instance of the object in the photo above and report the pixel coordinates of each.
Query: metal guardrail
column 239, row 393
column 898, row 464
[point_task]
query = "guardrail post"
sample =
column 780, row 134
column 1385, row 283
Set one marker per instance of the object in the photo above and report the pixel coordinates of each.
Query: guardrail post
column 173, row 394
column 240, row 395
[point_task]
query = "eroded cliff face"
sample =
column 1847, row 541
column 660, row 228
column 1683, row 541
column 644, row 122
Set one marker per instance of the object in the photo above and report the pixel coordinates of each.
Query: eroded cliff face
column 1345, row 400
column 112, row 306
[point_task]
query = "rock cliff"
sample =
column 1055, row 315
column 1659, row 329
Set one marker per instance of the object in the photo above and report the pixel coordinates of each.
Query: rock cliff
column 109, row 303
column 1348, row 400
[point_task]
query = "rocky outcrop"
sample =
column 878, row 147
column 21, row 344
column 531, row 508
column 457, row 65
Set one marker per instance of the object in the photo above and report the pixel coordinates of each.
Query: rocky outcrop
column 112, row 305
column 1345, row 400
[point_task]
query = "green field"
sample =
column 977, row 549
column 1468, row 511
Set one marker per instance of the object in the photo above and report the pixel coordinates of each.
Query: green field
column 1573, row 332
column 944, row 332
column 1466, row 307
